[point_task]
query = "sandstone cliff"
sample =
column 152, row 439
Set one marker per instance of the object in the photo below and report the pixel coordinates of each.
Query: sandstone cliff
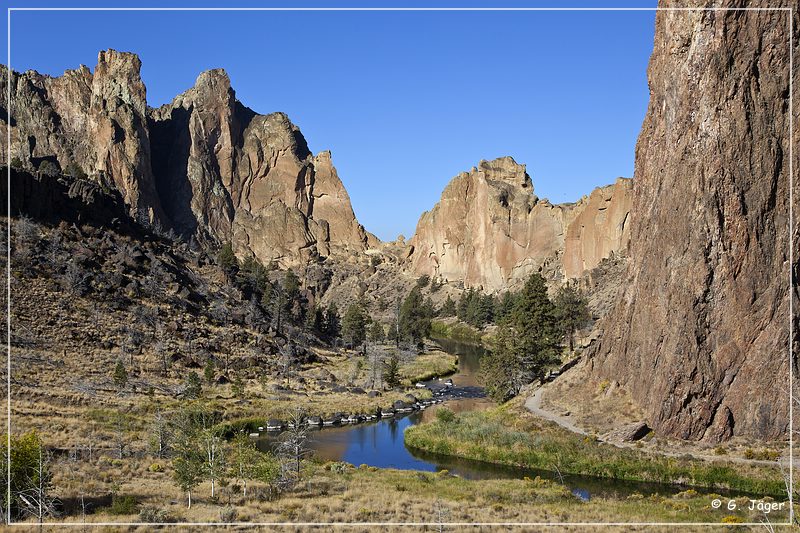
column 700, row 334
column 203, row 165
column 490, row 230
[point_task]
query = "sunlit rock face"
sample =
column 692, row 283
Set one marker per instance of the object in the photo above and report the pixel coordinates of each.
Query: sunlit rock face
column 489, row 229
column 203, row 165
column 236, row 175
column 96, row 121
column 700, row 336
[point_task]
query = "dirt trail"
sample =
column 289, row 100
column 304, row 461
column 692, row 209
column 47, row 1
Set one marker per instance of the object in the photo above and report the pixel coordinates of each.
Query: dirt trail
column 534, row 405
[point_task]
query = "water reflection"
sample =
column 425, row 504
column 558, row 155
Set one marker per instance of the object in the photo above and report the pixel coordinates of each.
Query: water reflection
column 381, row 443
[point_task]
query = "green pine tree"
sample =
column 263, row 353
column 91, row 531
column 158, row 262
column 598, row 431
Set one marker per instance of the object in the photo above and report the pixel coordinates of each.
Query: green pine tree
column 120, row 375
column 391, row 373
column 571, row 311
column 448, row 307
column 227, row 261
column 193, row 385
column 354, row 325
column 208, row 371
column 415, row 317
column 525, row 343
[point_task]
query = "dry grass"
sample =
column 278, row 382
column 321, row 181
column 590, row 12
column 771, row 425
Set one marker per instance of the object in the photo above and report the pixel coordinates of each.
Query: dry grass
column 373, row 495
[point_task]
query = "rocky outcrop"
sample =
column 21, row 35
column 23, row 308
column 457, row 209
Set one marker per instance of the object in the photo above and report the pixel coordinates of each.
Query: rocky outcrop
column 204, row 165
column 95, row 121
column 490, row 230
column 700, row 334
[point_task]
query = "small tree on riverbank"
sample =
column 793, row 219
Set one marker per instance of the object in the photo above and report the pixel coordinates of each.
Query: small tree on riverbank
column 293, row 449
column 391, row 376
column 354, row 325
column 414, row 317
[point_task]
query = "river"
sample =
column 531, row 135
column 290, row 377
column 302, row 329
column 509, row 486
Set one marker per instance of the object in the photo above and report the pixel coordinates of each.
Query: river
column 381, row 443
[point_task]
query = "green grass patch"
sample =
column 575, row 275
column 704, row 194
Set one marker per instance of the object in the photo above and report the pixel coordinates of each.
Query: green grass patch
column 501, row 436
column 456, row 331
column 428, row 366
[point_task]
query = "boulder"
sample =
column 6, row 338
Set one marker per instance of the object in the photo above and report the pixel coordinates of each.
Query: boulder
column 628, row 433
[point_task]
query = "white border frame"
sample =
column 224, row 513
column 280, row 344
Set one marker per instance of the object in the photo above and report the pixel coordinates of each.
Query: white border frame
column 790, row 521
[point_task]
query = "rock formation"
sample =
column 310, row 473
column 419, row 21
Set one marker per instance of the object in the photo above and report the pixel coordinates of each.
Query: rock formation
column 204, row 165
column 490, row 230
column 97, row 121
column 598, row 229
column 700, row 334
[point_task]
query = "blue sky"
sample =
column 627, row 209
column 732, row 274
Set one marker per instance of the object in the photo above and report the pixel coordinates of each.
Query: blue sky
column 404, row 100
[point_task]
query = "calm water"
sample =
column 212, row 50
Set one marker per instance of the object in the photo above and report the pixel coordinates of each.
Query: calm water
column 381, row 443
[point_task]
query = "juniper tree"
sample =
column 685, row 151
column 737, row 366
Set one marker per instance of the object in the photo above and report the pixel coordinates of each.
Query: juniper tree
column 120, row 375
column 391, row 375
column 354, row 325
column 571, row 311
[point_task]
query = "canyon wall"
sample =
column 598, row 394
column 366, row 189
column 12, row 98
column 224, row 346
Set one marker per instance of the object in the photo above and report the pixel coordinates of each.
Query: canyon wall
column 700, row 335
column 490, row 230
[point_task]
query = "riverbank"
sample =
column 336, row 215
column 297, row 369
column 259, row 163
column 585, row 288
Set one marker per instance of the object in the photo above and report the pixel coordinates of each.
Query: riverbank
column 341, row 493
column 457, row 331
column 434, row 363
column 510, row 435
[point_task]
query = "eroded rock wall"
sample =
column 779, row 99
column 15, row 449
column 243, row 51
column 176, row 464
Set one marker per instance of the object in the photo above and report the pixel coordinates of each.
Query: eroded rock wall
column 490, row 230
column 700, row 334
column 203, row 165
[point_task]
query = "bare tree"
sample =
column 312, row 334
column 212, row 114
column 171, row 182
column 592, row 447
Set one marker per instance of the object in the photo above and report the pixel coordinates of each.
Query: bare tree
column 293, row 448
column 160, row 351
column 161, row 435
column 441, row 513
column 375, row 368
column 26, row 236
column 37, row 500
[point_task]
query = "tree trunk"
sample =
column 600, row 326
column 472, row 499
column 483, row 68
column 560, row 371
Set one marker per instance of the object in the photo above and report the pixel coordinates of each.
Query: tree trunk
column 189, row 493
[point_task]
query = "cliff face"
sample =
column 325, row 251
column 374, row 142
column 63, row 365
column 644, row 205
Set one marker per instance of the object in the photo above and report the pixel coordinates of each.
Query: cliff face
column 203, row 165
column 97, row 121
column 599, row 228
column 700, row 334
column 490, row 230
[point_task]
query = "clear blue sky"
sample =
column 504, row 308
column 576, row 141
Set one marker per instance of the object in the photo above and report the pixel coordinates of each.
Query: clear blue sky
column 404, row 100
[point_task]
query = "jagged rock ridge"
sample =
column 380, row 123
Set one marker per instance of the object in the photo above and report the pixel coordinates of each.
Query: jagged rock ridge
column 700, row 334
column 490, row 230
column 203, row 165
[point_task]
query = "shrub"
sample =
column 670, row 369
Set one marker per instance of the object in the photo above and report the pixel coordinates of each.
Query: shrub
column 228, row 514
column 155, row 467
column 48, row 168
column 154, row 515
column 74, row 169
column 445, row 415
column 122, row 505
column 338, row 467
